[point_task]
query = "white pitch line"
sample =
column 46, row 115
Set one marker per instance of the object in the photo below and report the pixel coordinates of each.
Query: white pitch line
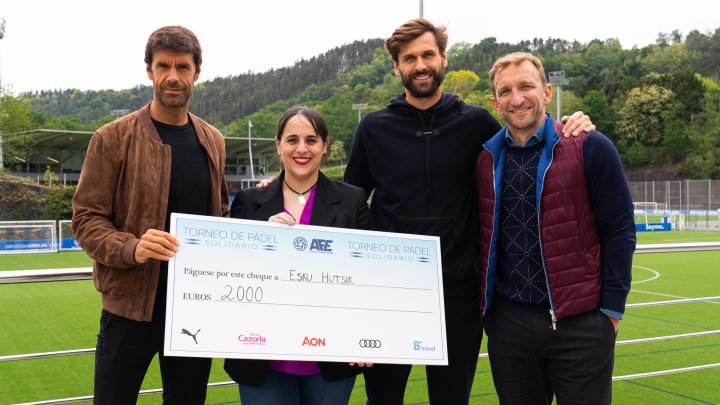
column 665, row 372
column 657, row 275
column 672, row 296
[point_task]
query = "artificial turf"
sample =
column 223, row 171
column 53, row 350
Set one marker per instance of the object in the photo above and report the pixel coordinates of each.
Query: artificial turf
column 39, row 317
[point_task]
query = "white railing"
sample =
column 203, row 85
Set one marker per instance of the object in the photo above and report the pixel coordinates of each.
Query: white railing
column 677, row 247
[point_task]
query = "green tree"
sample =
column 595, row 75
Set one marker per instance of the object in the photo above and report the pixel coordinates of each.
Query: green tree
column 58, row 205
column 337, row 152
column 14, row 113
column 670, row 59
column 50, row 178
column 687, row 86
column 641, row 117
column 15, row 117
column 702, row 164
column 461, row 82
column 704, row 146
column 597, row 106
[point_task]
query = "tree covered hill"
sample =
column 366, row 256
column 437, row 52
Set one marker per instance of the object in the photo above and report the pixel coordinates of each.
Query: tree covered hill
column 220, row 100
column 660, row 104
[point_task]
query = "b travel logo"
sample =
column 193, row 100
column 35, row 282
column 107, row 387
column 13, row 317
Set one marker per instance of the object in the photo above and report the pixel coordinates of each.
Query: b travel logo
column 252, row 339
column 419, row 346
column 227, row 239
column 314, row 246
column 389, row 252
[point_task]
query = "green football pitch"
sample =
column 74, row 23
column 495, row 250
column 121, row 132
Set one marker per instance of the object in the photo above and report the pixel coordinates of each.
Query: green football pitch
column 55, row 316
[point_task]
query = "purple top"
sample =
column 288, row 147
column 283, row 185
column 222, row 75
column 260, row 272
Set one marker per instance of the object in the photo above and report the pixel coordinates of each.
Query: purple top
column 299, row 367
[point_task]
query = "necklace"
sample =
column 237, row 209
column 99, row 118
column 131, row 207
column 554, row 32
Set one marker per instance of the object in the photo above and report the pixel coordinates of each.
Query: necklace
column 301, row 196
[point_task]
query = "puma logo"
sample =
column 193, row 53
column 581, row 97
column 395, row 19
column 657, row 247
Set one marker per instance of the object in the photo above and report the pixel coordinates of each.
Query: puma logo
column 194, row 336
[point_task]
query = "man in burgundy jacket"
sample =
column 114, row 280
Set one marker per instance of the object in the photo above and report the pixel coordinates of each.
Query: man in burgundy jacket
column 557, row 236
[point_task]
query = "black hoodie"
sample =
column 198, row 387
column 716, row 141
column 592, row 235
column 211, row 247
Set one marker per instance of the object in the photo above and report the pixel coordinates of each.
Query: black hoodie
column 421, row 165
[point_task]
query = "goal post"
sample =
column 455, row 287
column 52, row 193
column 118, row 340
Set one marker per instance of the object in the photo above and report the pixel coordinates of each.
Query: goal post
column 642, row 209
column 27, row 237
column 66, row 239
column 650, row 217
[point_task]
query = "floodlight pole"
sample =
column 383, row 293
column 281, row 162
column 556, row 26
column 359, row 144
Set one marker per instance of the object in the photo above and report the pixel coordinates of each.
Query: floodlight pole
column 559, row 97
column 2, row 35
column 252, row 170
column 359, row 107
column 421, row 8
column 557, row 79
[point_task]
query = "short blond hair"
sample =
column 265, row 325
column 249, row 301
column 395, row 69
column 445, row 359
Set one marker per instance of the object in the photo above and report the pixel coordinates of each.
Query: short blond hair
column 515, row 58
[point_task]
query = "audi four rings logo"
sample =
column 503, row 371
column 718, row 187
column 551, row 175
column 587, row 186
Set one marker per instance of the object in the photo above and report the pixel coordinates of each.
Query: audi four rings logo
column 370, row 343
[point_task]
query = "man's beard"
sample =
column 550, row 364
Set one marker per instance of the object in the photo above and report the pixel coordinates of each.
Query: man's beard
column 174, row 102
column 437, row 79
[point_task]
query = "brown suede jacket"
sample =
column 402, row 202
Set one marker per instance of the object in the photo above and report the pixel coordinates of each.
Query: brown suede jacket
column 123, row 191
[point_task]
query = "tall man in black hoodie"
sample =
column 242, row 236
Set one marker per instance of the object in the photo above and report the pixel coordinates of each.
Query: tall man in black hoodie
column 418, row 154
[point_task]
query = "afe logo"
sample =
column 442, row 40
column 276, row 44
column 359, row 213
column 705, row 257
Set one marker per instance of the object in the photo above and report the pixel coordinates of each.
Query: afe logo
column 313, row 341
column 370, row 343
column 321, row 245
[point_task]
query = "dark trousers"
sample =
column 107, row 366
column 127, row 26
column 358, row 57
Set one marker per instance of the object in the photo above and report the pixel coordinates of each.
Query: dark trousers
column 385, row 383
column 531, row 363
column 124, row 351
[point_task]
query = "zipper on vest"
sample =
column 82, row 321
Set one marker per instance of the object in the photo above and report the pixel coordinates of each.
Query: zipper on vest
column 157, row 212
column 553, row 318
column 492, row 234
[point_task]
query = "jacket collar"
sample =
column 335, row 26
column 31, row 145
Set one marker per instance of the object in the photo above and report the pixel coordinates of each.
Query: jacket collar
column 498, row 142
column 149, row 127
column 327, row 197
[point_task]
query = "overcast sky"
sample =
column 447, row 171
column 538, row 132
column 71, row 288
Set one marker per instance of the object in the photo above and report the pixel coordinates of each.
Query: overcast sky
column 98, row 44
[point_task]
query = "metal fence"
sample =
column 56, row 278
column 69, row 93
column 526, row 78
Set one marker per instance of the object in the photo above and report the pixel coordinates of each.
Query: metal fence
column 699, row 200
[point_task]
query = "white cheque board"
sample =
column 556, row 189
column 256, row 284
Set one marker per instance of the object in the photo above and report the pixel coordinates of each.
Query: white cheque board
column 260, row 290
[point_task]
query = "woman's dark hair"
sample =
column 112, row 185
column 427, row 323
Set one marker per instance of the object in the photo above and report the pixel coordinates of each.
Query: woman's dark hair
column 312, row 115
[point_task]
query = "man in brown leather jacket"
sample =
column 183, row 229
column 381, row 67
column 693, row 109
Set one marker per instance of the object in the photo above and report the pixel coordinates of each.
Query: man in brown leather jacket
column 138, row 169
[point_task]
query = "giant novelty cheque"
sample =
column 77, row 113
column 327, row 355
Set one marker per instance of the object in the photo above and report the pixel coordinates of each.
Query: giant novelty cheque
column 260, row 290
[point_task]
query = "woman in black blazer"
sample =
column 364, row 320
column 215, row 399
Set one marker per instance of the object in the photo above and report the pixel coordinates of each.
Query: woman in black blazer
column 301, row 194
